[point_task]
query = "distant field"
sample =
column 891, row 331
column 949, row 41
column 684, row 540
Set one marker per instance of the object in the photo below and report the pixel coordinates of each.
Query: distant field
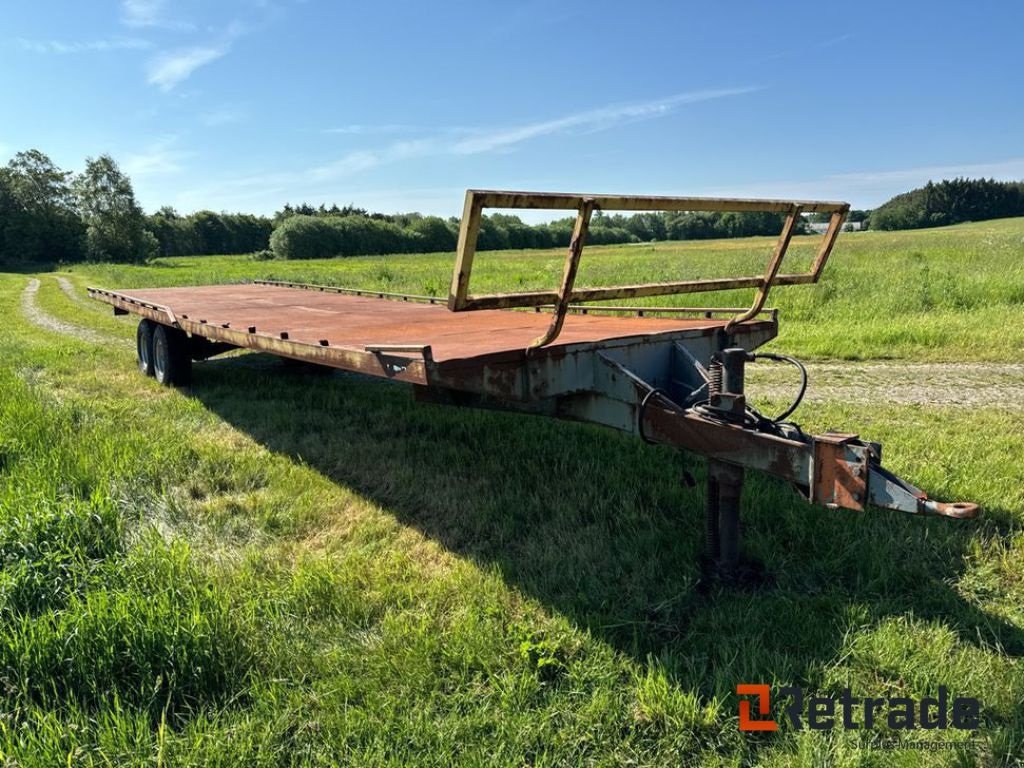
column 274, row 569
column 948, row 294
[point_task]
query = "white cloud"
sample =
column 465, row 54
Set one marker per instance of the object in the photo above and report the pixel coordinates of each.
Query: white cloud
column 169, row 68
column 362, row 160
column 172, row 67
column 348, row 164
column 83, row 46
column 159, row 158
column 589, row 121
column 322, row 179
column 149, row 13
column 503, row 139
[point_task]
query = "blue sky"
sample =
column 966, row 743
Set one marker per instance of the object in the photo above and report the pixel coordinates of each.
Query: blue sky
column 247, row 104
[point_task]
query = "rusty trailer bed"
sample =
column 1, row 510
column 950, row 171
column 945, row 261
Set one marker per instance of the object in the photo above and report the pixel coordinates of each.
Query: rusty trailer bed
column 310, row 316
column 405, row 338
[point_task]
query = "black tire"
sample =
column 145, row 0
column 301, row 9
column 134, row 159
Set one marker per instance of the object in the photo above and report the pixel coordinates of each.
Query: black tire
column 144, row 346
column 172, row 361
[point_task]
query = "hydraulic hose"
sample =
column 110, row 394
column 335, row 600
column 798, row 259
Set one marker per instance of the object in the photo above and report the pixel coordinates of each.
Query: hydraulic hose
column 803, row 380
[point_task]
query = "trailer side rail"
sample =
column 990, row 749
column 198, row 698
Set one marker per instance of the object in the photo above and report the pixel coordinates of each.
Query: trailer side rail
column 460, row 298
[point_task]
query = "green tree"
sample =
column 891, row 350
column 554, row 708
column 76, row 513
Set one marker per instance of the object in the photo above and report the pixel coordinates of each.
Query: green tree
column 949, row 202
column 436, row 234
column 39, row 222
column 115, row 224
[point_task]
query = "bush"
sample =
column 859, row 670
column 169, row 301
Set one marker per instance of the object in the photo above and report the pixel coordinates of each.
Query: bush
column 318, row 237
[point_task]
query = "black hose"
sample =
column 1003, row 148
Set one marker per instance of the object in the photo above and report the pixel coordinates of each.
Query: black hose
column 653, row 392
column 803, row 381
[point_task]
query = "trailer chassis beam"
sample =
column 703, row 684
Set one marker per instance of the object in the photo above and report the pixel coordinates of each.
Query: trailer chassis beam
column 833, row 470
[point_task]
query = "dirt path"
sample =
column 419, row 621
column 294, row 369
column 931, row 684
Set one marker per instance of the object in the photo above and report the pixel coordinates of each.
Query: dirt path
column 37, row 316
column 71, row 292
column 966, row 385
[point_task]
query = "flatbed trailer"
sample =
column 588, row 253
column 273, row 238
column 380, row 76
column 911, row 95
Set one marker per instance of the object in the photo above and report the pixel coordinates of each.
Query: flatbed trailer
column 668, row 375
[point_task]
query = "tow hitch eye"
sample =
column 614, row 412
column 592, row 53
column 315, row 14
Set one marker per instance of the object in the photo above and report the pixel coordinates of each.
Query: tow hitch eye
column 891, row 492
column 962, row 510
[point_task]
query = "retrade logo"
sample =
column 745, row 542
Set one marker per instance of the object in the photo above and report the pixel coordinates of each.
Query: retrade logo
column 849, row 712
column 764, row 708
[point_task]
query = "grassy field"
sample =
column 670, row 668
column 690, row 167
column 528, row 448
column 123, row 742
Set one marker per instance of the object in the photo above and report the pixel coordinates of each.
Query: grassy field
column 275, row 569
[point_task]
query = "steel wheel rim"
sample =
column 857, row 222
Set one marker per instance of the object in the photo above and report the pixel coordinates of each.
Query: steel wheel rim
column 159, row 355
column 142, row 348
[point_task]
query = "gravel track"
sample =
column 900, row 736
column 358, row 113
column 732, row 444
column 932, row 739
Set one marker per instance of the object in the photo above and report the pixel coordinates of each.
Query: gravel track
column 966, row 385
column 71, row 292
column 37, row 316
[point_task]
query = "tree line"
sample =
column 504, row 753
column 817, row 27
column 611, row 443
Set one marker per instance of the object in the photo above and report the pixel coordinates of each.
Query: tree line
column 320, row 233
column 951, row 202
column 206, row 232
column 48, row 215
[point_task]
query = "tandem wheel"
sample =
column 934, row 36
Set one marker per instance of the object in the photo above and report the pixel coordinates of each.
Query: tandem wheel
column 144, row 346
column 164, row 353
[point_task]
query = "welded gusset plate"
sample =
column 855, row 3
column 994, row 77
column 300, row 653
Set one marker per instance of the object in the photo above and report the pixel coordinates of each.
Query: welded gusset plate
column 840, row 470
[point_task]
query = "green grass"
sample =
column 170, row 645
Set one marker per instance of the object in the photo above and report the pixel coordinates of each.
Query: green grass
column 274, row 569
column 948, row 294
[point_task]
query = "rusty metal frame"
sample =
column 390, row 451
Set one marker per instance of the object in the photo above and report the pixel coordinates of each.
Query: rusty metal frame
column 385, row 360
column 572, row 264
column 839, row 471
column 581, row 309
column 460, row 298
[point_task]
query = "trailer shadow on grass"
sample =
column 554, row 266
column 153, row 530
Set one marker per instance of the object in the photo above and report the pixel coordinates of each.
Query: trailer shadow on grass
column 600, row 528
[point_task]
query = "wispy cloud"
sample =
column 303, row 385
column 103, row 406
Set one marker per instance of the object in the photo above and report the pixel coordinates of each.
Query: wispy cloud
column 172, row 67
column 481, row 141
column 161, row 157
column 169, row 68
column 83, row 46
column 590, row 120
column 442, row 142
column 150, row 13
